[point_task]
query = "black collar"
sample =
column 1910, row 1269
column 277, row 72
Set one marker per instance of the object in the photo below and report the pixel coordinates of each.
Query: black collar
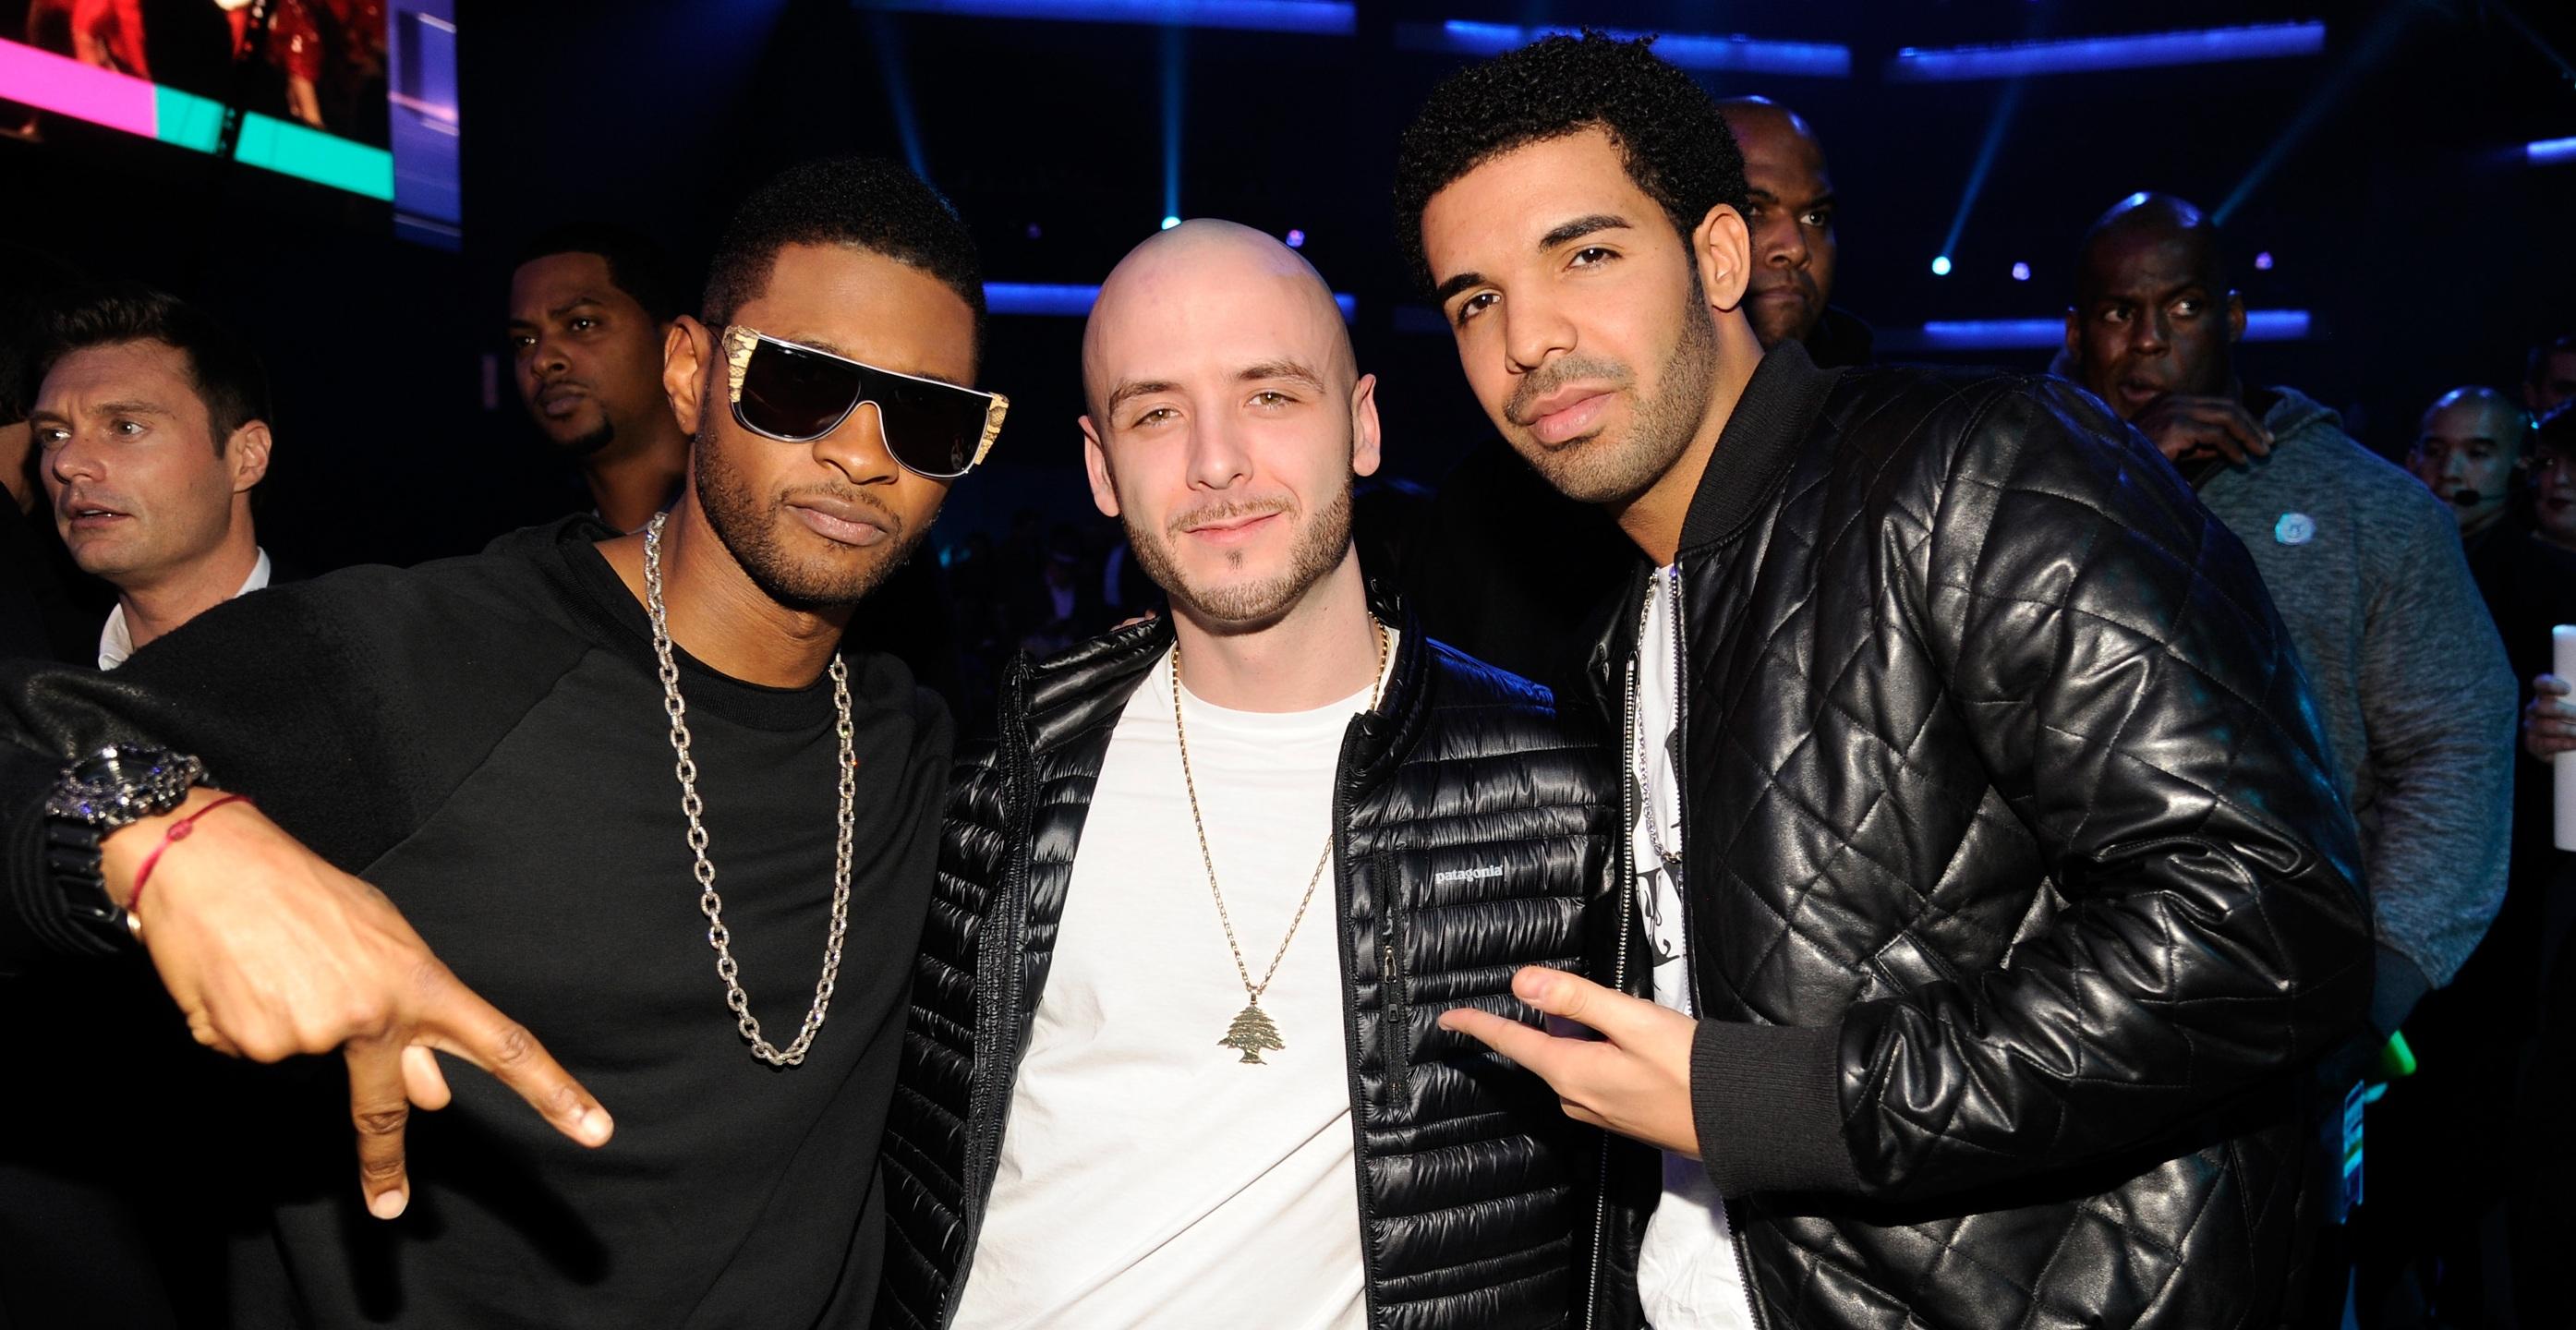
column 1081, row 692
column 1769, row 423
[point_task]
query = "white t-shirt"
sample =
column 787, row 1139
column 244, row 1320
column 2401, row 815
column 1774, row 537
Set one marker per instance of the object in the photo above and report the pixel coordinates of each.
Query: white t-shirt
column 1687, row 1274
column 1148, row 1176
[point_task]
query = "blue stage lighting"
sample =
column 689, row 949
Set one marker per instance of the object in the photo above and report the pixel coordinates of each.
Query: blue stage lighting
column 1296, row 239
column 1336, row 18
column 2267, row 41
column 1170, row 221
column 1039, row 298
column 2549, row 151
column 2262, row 325
column 2263, row 261
column 1745, row 55
column 2006, row 104
column 2381, row 40
column 1064, row 301
column 2021, row 272
column 1940, row 265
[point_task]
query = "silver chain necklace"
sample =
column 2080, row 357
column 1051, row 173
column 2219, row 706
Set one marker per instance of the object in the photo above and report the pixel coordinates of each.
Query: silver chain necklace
column 709, row 902
column 1654, row 809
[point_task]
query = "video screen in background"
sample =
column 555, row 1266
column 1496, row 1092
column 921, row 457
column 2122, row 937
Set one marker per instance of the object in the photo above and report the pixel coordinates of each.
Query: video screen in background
column 356, row 94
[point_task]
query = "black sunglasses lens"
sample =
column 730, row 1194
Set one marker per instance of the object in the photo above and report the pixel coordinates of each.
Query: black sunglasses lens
column 794, row 394
column 930, row 427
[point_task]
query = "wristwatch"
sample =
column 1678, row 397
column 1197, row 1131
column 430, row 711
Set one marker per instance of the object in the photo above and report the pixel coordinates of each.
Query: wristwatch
column 114, row 787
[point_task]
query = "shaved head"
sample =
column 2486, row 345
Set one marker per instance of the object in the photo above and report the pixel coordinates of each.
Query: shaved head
column 2479, row 409
column 1741, row 112
column 1228, row 419
column 1201, row 259
column 2146, row 221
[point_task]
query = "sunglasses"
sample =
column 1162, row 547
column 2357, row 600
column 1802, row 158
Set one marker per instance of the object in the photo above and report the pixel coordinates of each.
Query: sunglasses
column 796, row 394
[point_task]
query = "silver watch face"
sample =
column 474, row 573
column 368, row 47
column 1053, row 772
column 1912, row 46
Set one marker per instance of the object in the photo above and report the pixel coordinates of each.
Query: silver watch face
column 124, row 783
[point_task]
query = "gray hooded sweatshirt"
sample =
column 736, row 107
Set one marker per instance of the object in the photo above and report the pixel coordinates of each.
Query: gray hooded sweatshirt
column 2419, row 704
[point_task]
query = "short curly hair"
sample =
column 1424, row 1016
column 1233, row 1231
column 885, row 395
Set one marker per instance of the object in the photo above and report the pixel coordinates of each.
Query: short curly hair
column 866, row 202
column 1671, row 136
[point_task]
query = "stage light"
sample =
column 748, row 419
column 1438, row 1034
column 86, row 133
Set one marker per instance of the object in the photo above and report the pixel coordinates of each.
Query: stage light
column 2006, row 103
column 2377, row 42
column 2021, row 272
column 2263, row 261
column 1296, row 238
column 1175, row 62
column 1940, row 265
column 1035, row 232
column 1336, row 18
column 1064, row 301
column 2262, row 325
column 1739, row 54
column 2206, row 46
column 2548, row 152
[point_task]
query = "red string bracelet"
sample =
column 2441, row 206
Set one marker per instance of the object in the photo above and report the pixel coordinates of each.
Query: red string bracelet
column 177, row 831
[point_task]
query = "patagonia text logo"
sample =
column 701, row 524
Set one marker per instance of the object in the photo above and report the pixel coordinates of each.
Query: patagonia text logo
column 1467, row 874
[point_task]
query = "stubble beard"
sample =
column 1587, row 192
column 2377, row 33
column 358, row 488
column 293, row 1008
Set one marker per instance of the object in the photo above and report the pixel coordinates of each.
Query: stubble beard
column 1322, row 542
column 747, row 525
column 1612, row 470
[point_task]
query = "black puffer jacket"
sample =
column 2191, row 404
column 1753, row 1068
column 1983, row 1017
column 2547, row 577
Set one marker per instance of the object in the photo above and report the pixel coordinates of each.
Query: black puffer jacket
column 1476, row 1195
column 2020, row 898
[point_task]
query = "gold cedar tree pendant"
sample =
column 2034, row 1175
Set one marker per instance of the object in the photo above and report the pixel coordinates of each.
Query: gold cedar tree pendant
column 1252, row 1032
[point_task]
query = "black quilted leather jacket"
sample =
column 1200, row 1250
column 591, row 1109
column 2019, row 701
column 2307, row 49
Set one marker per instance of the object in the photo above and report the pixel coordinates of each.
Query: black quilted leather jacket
column 2021, row 901
column 1477, row 1197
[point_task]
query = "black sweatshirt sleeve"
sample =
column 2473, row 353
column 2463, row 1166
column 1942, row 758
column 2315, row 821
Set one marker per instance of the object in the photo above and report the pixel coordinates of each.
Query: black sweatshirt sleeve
column 347, row 707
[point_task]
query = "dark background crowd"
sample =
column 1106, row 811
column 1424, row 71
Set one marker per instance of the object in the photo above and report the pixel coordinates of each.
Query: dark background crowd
column 2379, row 185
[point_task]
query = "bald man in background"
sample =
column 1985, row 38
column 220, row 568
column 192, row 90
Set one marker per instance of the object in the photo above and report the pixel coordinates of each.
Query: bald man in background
column 2472, row 450
column 2366, row 570
column 2468, row 450
column 1794, row 241
column 1081, row 1138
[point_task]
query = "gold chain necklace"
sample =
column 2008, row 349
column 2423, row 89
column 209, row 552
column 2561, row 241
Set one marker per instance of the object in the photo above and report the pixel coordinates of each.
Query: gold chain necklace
column 1253, row 1030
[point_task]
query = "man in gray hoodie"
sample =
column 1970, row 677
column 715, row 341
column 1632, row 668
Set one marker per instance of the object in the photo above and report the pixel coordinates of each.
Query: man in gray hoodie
column 2364, row 564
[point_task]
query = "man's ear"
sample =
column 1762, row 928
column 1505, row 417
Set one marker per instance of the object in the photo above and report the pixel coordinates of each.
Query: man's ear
column 2074, row 336
column 247, row 452
column 688, row 350
column 1722, row 246
column 1095, row 464
column 2235, row 317
column 1365, row 437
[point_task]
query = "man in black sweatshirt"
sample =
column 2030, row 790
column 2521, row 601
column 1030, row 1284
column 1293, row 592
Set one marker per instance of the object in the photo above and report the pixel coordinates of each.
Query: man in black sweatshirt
column 465, row 784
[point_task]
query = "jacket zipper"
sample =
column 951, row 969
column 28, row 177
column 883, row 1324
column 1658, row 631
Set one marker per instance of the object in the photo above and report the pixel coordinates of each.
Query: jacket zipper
column 1628, row 786
column 1350, row 1021
column 1627, row 870
column 1395, row 1008
column 990, row 1101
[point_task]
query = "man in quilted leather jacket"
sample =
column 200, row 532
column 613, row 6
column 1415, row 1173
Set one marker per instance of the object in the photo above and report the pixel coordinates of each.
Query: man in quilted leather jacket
column 1173, row 1058
column 1991, row 894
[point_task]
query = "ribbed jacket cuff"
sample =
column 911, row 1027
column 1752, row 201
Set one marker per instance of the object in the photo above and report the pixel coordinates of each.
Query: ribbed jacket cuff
column 2396, row 985
column 1768, row 1105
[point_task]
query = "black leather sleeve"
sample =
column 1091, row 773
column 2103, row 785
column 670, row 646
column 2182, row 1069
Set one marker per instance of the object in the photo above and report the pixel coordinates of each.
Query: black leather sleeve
column 2137, row 704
